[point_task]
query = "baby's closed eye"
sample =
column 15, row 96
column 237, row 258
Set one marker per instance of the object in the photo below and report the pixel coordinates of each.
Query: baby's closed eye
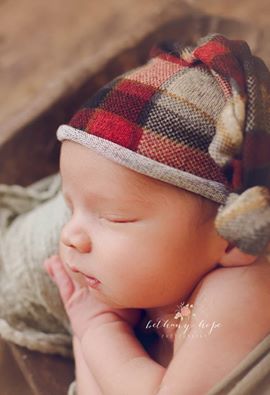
column 118, row 220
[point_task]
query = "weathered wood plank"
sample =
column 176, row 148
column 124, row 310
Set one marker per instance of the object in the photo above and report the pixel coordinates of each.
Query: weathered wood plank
column 48, row 48
column 12, row 381
column 45, row 374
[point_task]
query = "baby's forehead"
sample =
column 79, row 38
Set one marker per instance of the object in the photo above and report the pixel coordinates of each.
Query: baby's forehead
column 86, row 170
column 81, row 161
column 93, row 175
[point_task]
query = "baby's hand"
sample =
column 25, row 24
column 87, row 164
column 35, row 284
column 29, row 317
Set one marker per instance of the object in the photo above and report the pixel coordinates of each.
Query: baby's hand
column 83, row 308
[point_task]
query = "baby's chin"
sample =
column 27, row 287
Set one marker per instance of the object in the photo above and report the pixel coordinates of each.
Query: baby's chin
column 106, row 299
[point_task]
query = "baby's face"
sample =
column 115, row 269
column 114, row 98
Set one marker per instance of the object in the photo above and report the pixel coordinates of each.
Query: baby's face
column 141, row 238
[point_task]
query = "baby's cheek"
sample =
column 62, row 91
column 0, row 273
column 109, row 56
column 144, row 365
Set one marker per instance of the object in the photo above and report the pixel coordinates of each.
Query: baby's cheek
column 127, row 256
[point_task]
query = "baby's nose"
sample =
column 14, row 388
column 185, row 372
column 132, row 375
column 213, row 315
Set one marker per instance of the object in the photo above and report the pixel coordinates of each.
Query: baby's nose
column 80, row 244
column 78, row 240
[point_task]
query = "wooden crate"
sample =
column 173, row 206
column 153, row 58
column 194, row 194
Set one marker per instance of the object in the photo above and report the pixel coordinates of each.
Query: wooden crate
column 25, row 372
column 77, row 56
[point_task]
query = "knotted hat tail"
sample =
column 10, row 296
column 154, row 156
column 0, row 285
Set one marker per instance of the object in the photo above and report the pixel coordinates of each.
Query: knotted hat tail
column 197, row 117
column 242, row 140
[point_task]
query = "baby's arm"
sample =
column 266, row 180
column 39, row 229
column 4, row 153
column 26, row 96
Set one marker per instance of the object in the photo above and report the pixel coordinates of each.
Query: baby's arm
column 234, row 299
column 118, row 360
column 85, row 381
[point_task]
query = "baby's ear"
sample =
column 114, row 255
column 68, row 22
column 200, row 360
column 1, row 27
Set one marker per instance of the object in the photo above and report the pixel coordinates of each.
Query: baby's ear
column 235, row 257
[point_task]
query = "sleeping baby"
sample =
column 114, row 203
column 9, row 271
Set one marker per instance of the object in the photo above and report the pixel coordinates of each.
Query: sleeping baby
column 166, row 173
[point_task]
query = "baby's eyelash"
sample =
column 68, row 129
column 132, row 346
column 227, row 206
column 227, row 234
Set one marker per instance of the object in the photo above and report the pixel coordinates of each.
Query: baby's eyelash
column 120, row 221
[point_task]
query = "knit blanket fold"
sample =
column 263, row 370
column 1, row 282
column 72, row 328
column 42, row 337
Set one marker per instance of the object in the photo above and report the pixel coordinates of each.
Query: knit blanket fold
column 31, row 311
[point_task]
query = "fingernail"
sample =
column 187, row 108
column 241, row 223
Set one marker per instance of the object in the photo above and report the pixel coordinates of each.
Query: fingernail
column 49, row 270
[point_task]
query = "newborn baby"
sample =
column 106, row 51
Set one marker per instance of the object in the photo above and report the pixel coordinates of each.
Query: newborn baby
column 162, row 211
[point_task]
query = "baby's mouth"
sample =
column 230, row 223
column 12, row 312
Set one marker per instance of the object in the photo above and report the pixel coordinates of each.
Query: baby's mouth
column 91, row 281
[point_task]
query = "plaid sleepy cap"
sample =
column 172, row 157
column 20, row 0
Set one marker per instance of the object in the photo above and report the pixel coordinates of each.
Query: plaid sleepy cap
column 197, row 117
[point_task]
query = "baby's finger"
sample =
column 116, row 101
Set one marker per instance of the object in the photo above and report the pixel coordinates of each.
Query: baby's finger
column 48, row 269
column 61, row 278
